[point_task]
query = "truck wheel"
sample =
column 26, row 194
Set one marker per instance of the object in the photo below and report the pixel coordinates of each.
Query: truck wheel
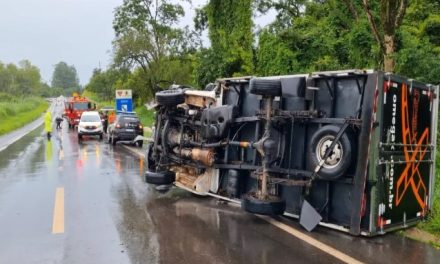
column 79, row 137
column 272, row 206
column 148, row 156
column 101, row 136
column 170, row 97
column 160, row 177
column 338, row 161
column 139, row 144
column 265, row 87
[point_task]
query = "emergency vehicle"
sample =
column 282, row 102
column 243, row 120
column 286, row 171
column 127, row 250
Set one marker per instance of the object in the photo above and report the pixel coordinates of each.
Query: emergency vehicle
column 75, row 106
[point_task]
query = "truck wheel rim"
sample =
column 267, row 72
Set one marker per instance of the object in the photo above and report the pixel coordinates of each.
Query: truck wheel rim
column 335, row 157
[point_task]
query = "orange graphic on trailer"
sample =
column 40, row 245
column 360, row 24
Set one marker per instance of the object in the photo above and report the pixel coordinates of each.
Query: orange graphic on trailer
column 414, row 151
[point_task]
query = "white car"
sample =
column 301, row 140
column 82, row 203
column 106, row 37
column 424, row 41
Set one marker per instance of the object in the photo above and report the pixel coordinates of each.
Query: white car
column 90, row 124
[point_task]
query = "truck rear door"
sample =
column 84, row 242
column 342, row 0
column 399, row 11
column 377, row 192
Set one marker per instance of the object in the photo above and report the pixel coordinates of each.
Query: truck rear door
column 405, row 151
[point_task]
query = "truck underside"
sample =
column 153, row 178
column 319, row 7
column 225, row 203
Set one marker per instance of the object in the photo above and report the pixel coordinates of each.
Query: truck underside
column 320, row 146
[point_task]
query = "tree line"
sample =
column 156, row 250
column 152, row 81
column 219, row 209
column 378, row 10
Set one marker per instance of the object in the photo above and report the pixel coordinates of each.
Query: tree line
column 24, row 79
column 151, row 50
column 21, row 79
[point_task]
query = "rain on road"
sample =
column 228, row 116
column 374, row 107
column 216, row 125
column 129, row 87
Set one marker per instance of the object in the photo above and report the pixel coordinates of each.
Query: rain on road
column 65, row 202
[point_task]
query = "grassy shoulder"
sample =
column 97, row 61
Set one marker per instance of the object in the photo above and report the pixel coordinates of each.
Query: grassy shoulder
column 147, row 119
column 433, row 224
column 146, row 116
column 16, row 112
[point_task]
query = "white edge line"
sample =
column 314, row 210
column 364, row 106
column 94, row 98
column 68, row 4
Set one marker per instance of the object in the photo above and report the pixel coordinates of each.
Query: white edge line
column 311, row 241
column 32, row 128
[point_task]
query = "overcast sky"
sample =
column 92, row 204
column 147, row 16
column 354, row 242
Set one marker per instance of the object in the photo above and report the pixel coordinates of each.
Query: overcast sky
column 78, row 32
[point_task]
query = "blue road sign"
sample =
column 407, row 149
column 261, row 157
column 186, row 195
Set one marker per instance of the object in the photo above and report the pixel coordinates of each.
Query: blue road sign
column 124, row 105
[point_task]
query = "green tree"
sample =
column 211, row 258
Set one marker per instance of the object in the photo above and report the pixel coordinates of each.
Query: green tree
column 391, row 13
column 104, row 83
column 24, row 79
column 274, row 55
column 146, row 31
column 333, row 34
column 230, row 33
column 65, row 76
column 147, row 36
column 418, row 55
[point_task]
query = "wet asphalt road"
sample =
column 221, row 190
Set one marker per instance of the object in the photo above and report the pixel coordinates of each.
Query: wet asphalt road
column 111, row 216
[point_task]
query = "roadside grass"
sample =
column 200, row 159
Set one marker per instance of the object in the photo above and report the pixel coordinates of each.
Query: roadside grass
column 146, row 116
column 16, row 112
column 433, row 224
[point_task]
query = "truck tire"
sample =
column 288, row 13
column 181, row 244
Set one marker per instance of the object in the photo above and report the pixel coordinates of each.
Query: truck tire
column 338, row 162
column 265, row 87
column 149, row 162
column 272, row 206
column 171, row 97
column 160, row 177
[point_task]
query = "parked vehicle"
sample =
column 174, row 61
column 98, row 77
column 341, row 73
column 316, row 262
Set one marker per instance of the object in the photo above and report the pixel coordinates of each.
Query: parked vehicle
column 74, row 107
column 353, row 150
column 126, row 128
column 90, row 124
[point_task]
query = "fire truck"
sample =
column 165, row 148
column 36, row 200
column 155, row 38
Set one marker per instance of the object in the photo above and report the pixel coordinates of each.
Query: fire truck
column 75, row 106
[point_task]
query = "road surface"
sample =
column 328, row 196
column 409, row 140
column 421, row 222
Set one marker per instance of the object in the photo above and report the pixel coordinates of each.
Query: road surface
column 65, row 202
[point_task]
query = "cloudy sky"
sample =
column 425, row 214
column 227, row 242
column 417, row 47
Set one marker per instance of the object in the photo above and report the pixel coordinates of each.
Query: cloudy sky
column 78, row 32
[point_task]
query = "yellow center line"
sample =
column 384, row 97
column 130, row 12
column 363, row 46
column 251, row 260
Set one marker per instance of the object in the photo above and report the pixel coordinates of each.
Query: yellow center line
column 312, row 241
column 58, row 212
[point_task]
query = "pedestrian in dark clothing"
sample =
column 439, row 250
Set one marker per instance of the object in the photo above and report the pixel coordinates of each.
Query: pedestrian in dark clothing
column 58, row 120
column 105, row 123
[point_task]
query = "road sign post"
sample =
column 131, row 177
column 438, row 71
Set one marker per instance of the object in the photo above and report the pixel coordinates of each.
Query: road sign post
column 124, row 101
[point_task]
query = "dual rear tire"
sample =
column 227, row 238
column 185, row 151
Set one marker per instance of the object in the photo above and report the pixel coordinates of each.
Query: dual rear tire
column 273, row 205
column 160, row 177
column 171, row 97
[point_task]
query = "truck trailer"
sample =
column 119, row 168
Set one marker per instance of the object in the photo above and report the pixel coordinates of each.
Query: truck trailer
column 353, row 150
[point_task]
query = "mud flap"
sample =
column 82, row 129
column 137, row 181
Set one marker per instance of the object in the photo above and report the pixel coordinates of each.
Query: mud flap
column 309, row 217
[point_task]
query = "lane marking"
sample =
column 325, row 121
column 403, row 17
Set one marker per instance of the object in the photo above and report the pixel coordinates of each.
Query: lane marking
column 311, row 241
column 58, row 212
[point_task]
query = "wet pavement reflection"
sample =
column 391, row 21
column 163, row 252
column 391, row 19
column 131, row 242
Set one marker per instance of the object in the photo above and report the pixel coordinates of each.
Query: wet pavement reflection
column 112, row 216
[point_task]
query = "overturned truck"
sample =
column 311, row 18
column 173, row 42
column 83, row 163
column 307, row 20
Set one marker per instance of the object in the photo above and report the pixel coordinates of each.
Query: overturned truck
column 352, row 150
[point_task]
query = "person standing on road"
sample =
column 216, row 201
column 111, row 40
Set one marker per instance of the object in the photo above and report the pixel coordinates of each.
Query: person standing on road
column 48, row 124
column 105, row 121
column 58, row 120
column 111, row 118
